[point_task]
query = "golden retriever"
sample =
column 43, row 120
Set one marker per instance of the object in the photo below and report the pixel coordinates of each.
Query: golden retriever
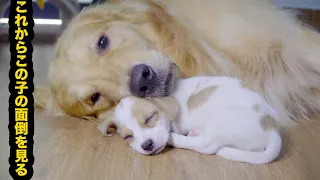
column 114, row 50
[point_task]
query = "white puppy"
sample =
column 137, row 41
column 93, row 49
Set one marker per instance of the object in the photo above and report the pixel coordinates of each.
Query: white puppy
column 216, row 115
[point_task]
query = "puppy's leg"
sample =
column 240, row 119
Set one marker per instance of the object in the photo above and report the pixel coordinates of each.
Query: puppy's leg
column 186, row 142
column 194, row 143
column 211, row 149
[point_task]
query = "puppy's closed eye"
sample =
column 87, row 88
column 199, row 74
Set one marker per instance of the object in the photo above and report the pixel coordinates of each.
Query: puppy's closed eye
column 128, row 137
column 151, row 120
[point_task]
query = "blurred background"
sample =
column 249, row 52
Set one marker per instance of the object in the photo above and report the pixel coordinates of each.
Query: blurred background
column 50, row 21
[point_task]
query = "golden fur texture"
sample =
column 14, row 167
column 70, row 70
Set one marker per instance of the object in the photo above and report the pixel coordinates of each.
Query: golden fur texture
column 252, row 40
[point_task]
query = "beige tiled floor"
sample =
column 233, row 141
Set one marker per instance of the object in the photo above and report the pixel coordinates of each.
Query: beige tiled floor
column 72, row 149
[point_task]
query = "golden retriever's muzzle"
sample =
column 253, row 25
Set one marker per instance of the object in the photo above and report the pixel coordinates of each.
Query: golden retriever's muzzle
column 148, row 82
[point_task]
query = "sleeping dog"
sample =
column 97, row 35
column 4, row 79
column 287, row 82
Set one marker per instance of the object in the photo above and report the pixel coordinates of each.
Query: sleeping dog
column 209, row 115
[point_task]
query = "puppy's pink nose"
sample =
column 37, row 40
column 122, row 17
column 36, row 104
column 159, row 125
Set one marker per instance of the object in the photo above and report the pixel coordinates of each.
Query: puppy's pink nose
column 147, row 145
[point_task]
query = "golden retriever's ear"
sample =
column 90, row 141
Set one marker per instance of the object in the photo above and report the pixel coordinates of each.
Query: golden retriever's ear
column 43, row 98
column 168, row 104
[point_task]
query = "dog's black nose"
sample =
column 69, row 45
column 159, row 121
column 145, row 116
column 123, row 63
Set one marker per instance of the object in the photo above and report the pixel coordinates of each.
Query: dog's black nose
column 147, row 145
column 143, row 80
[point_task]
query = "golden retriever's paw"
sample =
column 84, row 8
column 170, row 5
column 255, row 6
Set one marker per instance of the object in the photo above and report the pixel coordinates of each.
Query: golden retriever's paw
column 107, row 128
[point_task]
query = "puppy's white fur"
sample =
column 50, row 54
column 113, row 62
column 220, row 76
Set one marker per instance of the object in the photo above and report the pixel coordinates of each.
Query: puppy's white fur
column 228, row 120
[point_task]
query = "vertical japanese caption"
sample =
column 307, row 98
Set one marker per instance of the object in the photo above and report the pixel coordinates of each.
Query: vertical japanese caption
column 21, row 87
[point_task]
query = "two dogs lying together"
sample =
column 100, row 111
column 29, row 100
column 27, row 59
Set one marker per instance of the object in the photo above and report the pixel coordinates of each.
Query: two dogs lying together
column 210, row 115
column 125, row 48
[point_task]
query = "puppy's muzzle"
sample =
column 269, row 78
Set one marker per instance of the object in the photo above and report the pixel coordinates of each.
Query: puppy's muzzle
column 147, row 145
column 143, row 80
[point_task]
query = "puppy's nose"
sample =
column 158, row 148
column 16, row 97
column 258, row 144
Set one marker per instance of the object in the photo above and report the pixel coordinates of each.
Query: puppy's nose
column 143, row 80
column 147, row 145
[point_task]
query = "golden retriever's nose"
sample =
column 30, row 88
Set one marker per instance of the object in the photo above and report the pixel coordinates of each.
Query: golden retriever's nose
column 143, row 80
column 147, row 145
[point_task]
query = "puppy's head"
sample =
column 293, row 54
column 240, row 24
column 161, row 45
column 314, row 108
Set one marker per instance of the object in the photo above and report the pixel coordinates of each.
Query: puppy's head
column 145, row 123
column 106, row 54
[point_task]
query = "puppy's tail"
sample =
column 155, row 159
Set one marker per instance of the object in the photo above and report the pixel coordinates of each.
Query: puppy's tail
column 270, row 153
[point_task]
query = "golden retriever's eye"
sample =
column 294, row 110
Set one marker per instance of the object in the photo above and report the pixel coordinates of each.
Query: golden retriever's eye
column 95, row 97
column 129, row 137
column 103, row 43
column 148, row 120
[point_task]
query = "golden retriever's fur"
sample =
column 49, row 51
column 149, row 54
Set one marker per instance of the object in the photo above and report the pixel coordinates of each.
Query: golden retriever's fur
column 252, row 40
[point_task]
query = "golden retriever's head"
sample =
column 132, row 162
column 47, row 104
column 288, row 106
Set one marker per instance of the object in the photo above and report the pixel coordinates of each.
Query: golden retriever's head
column 107, row 53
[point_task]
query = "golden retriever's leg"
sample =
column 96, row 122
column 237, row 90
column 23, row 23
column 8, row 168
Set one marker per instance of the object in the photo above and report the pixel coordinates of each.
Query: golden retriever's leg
column 286, row 71
column 294, row 86
column 265, row 47
column 308, row 54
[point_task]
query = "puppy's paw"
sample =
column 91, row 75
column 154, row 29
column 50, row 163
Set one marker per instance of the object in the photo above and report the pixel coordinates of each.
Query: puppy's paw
column 174, row 140
column 170, row 141
column 192, row 133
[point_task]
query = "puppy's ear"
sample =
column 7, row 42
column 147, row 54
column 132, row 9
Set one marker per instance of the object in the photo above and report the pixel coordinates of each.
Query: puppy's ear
column 169, row 105
column 107, row 127
column 43, row 98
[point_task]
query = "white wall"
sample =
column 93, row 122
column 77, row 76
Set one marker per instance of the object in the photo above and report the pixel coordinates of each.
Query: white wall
column 308, row 4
